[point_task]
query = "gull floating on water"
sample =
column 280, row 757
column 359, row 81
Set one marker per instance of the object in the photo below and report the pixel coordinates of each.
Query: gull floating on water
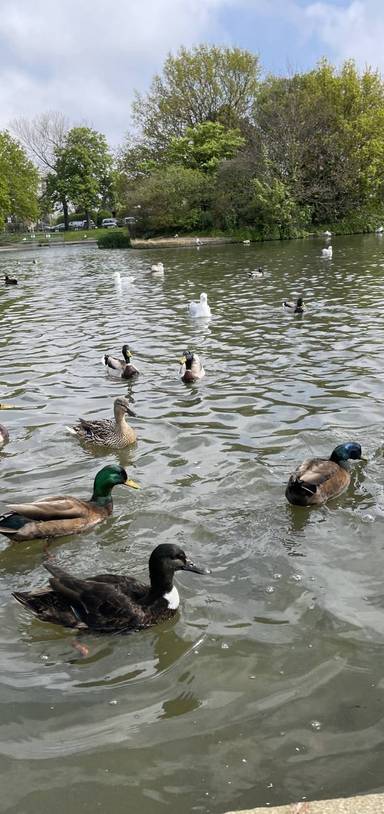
column 200, row 309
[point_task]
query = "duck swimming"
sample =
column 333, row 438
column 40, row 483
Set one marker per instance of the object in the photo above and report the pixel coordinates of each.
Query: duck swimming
column 327, row 252
column 10, row 280
column 61, row 515
column 200, row 309
column 105, row 432
column 157, row 268
column 256, row 272
column 110, row 603
column 191, row 368
column 122, row 366
column 4, row 435
column 317, row 480
column 295, row 307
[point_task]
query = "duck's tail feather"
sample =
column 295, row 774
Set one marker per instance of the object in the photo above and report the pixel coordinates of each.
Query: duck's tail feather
column 299, row 491
column 70, row 430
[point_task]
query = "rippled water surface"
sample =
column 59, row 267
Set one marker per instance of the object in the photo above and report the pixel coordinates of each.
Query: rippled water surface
column 268, row 686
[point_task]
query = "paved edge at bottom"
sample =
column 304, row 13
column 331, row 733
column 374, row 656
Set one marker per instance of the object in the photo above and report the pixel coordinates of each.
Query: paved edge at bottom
column 365, row 804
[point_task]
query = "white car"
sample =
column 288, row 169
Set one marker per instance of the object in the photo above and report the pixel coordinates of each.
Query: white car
column 109, row 223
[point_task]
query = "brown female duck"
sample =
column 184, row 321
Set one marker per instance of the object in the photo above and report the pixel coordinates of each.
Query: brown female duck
column 105, row 432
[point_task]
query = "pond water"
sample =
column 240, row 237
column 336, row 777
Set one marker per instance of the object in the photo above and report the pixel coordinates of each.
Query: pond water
column 268, row 686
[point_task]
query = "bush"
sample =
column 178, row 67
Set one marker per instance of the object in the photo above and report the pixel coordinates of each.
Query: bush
column 114, row 240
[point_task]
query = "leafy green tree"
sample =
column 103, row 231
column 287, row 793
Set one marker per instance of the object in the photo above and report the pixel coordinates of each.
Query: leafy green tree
column 206, row 83
column 322, row 135
column 205, row 146
column 82, row 171
column 18, row 182
column 171, row 199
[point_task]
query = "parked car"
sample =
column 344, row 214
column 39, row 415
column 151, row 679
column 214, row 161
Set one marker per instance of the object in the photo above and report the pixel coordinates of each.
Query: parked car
column 109, row 223
column 58, row 228
column 81, row 224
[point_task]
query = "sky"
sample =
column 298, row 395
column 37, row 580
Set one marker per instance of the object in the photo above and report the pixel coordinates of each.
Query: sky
column 85, row 59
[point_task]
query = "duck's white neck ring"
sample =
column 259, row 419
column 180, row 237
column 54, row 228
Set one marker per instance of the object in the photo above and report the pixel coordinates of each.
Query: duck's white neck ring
column 173, row 599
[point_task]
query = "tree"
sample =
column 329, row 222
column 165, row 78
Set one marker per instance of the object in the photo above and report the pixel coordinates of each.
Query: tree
column 42, row 137
column 18, row 182
column 170, row 199
column 205, row 146
column 82, row 172
column 207, row 83
column 323, row 138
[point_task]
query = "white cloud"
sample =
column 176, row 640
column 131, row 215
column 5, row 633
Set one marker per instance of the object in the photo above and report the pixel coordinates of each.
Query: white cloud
column 86, row 58
column 355, row 30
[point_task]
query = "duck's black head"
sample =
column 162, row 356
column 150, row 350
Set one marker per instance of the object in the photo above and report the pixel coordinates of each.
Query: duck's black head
column 299, row 302
column 344, row 451
column 126, row 353
column 167, row 558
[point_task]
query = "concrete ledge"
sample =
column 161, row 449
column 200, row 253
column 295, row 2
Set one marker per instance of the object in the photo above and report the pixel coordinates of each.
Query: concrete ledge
column 367, row 804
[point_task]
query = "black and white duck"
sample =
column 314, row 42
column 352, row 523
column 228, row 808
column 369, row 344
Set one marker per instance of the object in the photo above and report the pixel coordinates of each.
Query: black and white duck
column 111, row 603
column 10, row 280
column 123, row 366
column 294, row 307
column 317, row 480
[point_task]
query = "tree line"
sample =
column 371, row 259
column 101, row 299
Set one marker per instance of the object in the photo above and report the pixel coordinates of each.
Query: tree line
column 215, row 147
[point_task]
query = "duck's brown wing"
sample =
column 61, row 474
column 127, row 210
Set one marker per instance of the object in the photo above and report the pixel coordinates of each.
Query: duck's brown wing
column 317, row 470
column 52, row 508
column 315, row 481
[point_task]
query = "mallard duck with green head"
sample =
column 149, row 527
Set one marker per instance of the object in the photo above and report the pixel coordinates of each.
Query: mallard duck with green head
column 122, row 367
column 317, row 480
column 191, row 368
column 111, row 603
column 106, row 432
column 61, row 515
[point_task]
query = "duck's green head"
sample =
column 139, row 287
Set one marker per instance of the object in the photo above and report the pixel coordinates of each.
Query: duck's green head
column 126, row 353
column 107, row 478
column 345, row 451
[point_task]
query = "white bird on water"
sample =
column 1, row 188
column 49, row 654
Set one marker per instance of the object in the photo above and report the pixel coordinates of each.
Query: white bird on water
column 200, row 309
column 119, row 280
column 157, row 268
column 327, row 252
column 247, row 242
column 379, row 230
column 327, row 234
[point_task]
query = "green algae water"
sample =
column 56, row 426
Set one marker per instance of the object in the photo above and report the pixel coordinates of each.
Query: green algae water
column 268, row 686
